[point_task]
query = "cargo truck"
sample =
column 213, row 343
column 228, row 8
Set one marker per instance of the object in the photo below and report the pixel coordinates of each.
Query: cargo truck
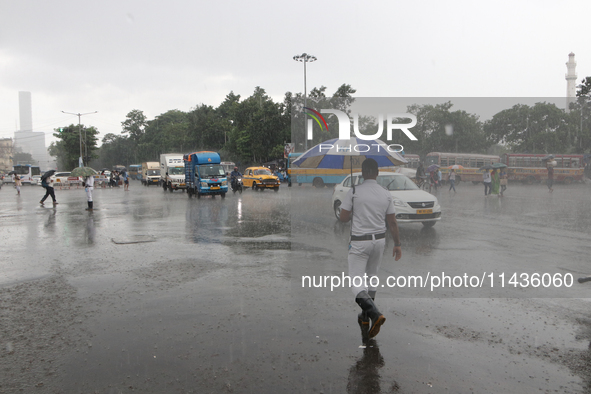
column 172, row 172
column 150, row 173
column 205, row 175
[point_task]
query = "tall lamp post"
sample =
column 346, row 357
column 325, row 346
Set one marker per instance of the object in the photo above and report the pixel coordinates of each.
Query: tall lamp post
column 305, row 58
column 80, row 162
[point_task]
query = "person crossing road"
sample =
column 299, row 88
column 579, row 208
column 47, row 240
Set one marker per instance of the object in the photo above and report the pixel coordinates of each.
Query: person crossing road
column 369, row 206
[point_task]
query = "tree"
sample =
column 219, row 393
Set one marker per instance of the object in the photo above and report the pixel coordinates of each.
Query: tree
column 134, row 124
column 20, row 157
column 67, row 149
column 439, row 129
column 543, row 128
column 584, row 89
column 115, row 149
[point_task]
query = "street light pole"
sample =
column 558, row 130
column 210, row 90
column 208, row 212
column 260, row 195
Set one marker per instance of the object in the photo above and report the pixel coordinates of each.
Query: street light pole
column 305, row 58
column 80, row 162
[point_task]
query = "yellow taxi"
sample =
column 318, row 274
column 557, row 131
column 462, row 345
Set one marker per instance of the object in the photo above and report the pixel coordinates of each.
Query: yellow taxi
column 260, row 178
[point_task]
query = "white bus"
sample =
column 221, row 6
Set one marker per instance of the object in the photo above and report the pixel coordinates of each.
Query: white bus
column 25, row 172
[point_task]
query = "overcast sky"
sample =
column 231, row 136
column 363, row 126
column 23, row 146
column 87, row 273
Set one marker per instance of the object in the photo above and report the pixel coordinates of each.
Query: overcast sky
column 114, row 56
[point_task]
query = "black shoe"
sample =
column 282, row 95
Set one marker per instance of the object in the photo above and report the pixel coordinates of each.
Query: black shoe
column 369, row 308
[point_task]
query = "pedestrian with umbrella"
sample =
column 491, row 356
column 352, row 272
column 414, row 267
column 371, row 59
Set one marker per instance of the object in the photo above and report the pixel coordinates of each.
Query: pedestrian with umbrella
column 495, row 181
column 47, row 183
column 88, row 174
column 487, row 179
column 503, row 178
column 433, row 176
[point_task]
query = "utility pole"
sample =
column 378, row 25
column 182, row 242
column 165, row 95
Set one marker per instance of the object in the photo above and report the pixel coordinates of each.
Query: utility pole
column 80, row 161
column 305, row 58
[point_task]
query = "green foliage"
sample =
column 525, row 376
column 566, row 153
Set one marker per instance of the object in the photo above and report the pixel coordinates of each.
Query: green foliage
column 254, row 130
column 584, row 89
column 73, row 139
column 543, row 128
column 439, row 129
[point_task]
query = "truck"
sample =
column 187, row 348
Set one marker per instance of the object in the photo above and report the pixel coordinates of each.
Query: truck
column 150, row 173
column 172, row 172
column 205, row 175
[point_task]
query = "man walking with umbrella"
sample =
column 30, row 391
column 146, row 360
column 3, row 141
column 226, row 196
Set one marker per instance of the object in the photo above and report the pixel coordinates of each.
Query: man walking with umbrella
column 369, row 206
column 47, row 183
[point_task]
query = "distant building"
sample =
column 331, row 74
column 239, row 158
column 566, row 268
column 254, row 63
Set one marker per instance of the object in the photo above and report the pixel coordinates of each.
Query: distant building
column 571, row 79
column 25, row 111
column 27, row 140
column 6, row 154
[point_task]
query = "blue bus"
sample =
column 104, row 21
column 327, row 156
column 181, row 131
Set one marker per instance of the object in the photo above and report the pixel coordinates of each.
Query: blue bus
column 135, row 171
column 290, row 158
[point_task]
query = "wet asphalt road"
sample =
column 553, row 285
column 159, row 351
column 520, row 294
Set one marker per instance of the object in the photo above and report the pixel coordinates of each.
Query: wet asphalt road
column 154, row 292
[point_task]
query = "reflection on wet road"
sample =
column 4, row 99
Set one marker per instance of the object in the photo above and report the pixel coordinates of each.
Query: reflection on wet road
column 156, row 292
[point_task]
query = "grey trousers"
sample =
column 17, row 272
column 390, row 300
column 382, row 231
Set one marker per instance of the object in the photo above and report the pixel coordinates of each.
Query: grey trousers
column 365, row 258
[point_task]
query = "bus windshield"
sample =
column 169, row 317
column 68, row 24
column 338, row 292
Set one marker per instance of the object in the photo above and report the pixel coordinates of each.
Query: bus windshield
column 153, row 172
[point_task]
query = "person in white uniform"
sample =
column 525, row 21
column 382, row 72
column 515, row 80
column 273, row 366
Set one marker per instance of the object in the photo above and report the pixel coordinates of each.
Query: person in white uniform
column 89, row 183
column 369, row 206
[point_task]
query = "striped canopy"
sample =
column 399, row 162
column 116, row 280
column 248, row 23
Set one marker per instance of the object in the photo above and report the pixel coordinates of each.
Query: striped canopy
column 341, row 154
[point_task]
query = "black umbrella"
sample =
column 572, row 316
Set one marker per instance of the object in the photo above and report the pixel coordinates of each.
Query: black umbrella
column 12, row 173
column 546, row 158
column 486, row 167
column 47, row 174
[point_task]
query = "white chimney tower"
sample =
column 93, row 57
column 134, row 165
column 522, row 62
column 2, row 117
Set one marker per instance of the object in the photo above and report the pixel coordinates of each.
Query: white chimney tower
column 571, row 78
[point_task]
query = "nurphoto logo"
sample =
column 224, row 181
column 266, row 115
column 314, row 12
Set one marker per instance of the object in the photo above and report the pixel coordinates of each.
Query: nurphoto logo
column 345, row 124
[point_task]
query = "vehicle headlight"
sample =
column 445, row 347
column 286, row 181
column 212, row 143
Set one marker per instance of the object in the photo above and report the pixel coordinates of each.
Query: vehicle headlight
column 261, row 178
column 204, row 184
column 398, row 203
column 224, row 183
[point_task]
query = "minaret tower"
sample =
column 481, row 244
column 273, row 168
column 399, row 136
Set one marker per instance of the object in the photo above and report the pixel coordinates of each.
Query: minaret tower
column 571, row 78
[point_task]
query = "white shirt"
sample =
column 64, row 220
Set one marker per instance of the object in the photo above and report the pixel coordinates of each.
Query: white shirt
column 486, row 177
column 370, row 204
column 90, row 181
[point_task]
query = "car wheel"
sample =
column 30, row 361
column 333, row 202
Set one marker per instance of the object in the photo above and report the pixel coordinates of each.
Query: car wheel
column 198, row 195
column 254, row 186
column 429, row 224
column 475, row 182
column 337, row 209
column 170, row 188
column 276, row 189
column 223, row 195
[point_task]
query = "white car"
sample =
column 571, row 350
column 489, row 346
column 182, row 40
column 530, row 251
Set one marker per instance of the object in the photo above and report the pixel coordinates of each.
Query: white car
column 36, row 180
column 412, row 204
column 60, row 177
